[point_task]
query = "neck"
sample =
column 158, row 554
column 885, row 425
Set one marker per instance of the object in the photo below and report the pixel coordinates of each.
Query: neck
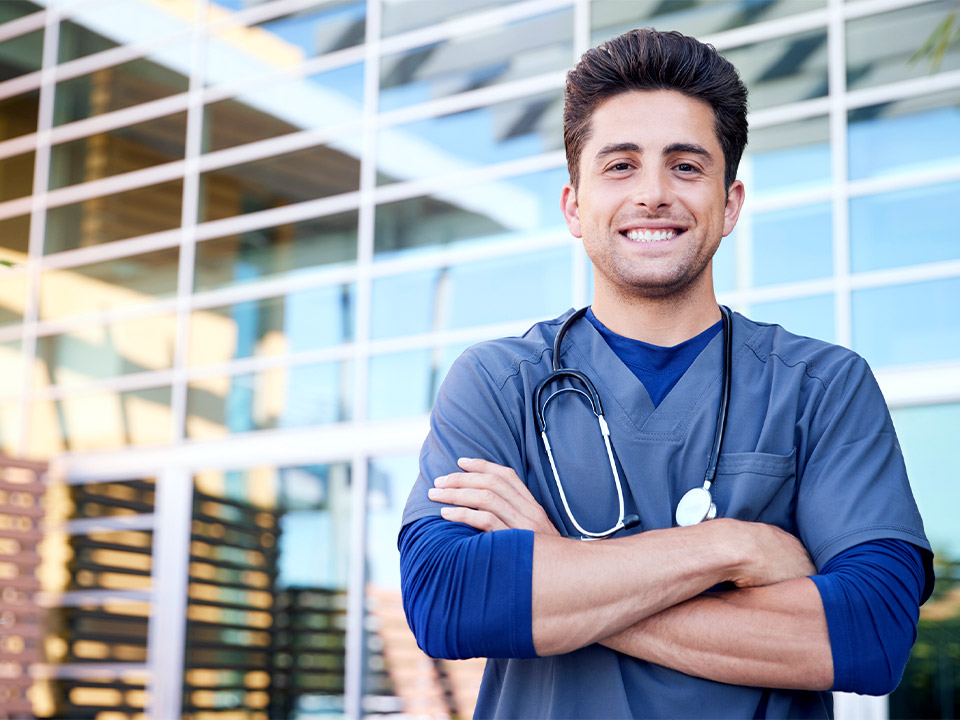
column 659, row 321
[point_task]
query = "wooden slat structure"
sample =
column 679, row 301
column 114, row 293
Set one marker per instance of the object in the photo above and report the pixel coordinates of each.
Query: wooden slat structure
column 21, row 629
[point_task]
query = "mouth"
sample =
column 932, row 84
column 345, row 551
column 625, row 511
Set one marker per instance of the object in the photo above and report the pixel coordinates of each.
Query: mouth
column 651, row 235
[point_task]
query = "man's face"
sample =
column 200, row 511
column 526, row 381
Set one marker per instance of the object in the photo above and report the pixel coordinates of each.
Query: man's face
column 651, row 206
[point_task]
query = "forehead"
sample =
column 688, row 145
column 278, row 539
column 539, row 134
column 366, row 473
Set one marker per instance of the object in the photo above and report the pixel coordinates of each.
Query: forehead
column 652, row 119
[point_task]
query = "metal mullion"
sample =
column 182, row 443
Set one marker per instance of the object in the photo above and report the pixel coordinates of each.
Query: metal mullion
column 470, row 24
column 784, row 291
column 92, row 671
column 790, row 200
column 462, row 178
column 854, row 10
column 115, row 184
column 18, row 145
column 278, row 216
column 939, row 270
column 249, row 365
column 23, row 25
column 22, row 84
column 112, row 250
column 768, row 30
column 121, row 383
column 472, row 99
column 904, row 90
column 20, row 206
column 261, row 13
column 273, row 287
column 803, row 110
column 321, row 63
column 440, row 338
column 271, row 147
column 927, row 384
column 45, row 328
column 837, row 76
column 121, row 118
column 904, row 181
column 41, row 171
column 72, row 598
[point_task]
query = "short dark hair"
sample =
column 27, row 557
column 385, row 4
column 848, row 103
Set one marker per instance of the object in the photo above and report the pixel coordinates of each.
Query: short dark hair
column 647, row 59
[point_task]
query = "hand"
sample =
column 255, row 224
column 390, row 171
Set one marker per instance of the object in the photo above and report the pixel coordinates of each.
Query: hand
column 767, row 554
column 489, row 497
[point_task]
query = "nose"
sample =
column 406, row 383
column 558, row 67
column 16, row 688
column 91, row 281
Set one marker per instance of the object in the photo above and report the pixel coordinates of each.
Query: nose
column 651, row 189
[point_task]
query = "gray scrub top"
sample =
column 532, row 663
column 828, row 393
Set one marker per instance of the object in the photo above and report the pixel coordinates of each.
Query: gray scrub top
column 809, row 447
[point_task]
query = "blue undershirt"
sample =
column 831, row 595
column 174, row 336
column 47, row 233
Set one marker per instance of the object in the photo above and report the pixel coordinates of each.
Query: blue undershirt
column 467, row 593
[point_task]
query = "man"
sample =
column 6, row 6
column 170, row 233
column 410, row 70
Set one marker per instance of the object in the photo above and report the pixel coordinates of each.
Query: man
column 811, row 577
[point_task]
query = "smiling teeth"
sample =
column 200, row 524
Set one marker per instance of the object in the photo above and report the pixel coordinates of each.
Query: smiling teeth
column 650, row 235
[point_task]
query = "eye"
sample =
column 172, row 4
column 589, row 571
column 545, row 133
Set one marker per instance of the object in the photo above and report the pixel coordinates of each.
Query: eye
column 622, row 166
column 686, row 168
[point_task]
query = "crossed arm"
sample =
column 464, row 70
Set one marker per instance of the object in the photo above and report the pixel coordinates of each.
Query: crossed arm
column 644, row 595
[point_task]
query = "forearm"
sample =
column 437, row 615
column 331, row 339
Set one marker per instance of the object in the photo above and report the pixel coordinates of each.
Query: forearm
column 771, row 636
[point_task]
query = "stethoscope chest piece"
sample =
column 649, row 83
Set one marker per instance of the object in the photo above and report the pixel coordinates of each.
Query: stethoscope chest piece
column 695, row 506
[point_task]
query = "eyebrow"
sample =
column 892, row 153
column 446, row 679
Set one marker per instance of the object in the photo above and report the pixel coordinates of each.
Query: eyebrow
column 693, row 148
column 613, row 148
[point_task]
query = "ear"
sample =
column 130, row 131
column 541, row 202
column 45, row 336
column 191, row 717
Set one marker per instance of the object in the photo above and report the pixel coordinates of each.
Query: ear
column 570, row 209
column 735, row 198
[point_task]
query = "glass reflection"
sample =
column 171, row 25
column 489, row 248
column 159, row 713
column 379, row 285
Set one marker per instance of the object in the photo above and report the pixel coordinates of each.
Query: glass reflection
column 927, row 325
column 280, row 180
column 109, row 285
column 931, row 681
column 118, row 151
column 513, row 288
column 114, row 217
column 724, row 264
column 16, row 176
column 512, row 52
column 792, row 245
column 436, row 688
column 236, row 52
column 77, row 41
column 286, row 397
column 500, row 132
column 406, row 383
column 11, row 367
column 102, row 351
column 100, row 421
column 266, row 612
column 904, row 130
column 402, row 15
column 275, row 251
column 299, row 321
column 10, row 428
column 113, row 88
column 22, row 54
column 285, row 105
column 880, row 223
column 498, row 211
column 609, row 18
column 880, row 47
column 790, row 157
column 808, row 316
column 19, row 114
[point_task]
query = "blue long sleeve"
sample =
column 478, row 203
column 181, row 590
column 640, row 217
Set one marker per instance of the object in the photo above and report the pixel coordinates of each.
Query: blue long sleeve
column 467, row 593
column 871, row 598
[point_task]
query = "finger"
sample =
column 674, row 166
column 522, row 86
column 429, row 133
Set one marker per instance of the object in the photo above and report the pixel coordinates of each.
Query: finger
column 476, row 498
column 479, row 519
column 478, row 465
column 510, row 492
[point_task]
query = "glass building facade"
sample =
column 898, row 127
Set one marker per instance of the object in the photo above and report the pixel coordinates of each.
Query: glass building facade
column 247, row 239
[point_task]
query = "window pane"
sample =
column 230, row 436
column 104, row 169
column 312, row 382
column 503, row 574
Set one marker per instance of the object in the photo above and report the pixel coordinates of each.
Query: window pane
column 908, row 324
column 302, row 320
column 266, row 611
column 809, row 316
column 118, row 151
column 724, row 264
column 497, row 133
column 16, row 176
column 77, row 41
column 783, row 70
column 297, row 396
column 532, row 285
column 402, row 15
column 100, row 421
column 790, row 157
column 609, row 18
column 879, row 225
column 406, row 383
column 114, row 217
column 10, row 428
column 793, row 245
column 519, row 50
column 281, row 250
column 14, row 237
column 18, row 114
column 131, row 83
column 497, row 211
column 904, row 129
column 11, row 368
column 21, row 55
column 13, row 297
column 235, row 52
column 103, row 351
column 283, row 106
column 13, row 9
column 109, row 285
column 277, row 181
column 389, row 685
column 880, row 47
column 931, row 681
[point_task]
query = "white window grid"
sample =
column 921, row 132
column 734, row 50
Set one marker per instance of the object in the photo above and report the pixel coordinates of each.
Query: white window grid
column 927, row 384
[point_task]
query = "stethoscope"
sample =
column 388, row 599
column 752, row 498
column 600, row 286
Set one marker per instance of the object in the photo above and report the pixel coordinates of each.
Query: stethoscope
column 697, row 504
